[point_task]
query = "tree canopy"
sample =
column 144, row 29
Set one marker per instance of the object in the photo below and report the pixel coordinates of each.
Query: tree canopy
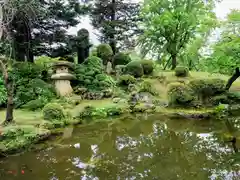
column 169, row 25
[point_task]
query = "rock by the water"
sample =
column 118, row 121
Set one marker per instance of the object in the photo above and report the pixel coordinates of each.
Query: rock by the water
column 116, row 100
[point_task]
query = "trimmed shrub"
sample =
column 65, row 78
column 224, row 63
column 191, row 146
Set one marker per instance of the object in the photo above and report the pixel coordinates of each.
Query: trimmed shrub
column 53, row 111
column 94, row 62
column 180, row 95
column 181, row 71
column 121, row 59
column 146, row 86
column 125, row 80
column 134, row 68
column 104, row 51
column 148, row 66
column 207, row 87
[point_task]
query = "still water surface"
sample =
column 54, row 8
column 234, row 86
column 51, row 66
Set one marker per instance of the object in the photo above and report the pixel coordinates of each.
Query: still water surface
column 132, row 149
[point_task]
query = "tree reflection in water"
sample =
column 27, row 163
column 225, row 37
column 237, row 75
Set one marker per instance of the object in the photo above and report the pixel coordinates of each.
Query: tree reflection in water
column 164, row 154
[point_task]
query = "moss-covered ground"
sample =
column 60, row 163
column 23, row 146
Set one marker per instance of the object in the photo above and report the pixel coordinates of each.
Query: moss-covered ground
column 29, row 126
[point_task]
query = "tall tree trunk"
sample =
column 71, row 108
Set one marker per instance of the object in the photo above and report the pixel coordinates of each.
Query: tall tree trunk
column 9, row 87
column 10, row 105
column 233, row 78
column 112, row 33
column 174, row 61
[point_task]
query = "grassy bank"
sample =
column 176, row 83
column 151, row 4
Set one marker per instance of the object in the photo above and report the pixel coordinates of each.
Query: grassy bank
column 29, row 127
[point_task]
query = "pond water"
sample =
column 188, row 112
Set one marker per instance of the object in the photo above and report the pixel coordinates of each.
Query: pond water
column 152, row 147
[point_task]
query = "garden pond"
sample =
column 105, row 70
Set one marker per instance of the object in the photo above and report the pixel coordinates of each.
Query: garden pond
column 140, row 147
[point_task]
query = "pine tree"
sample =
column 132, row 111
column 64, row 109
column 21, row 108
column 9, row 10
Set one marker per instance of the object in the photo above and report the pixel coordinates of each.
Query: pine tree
column 44, row 30
column 116, row 21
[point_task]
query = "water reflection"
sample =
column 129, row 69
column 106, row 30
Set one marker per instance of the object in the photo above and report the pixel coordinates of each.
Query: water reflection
column 146, row 149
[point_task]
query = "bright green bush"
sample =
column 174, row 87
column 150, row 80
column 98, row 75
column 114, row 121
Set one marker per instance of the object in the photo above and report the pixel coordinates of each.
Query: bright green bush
column 134, row 68
column 148, row 66
column 91, row 75
column 125, row 80
column 94, row 62
column 104, row 51
column 180, row 95
column 181, row 71
column 3, row 92
column 35, row 104
column 30, row 83
column 45, row 61
column 121, row 59
column 53, row 111
column 207, row 87
column 32, row 90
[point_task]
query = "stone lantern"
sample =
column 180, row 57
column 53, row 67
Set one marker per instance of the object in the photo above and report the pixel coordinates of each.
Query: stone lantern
column 62, row 77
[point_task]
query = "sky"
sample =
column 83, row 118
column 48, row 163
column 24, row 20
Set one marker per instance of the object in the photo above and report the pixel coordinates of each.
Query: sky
column 222, row 9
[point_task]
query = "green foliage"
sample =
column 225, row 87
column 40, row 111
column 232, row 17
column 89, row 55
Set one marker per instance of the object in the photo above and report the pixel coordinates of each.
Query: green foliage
column 122, row 28
column 148, row 66
column 134, row 68
column 33, row 90
column 94, row 62
column 104, row 51
column 53, row 111
column 35, row 104
column 30, row 83
column 181, row 71
column 121, row 59
column 111, row 110
column 234, row 96
column 169, row 25
column 207, row 87
column 3, row 92
column 146, row 86
column 120, row 69
column 45, row 61
column 125, row 80
column 90, row 74
column 225, row 56
column 15, row 138
column 180, row 95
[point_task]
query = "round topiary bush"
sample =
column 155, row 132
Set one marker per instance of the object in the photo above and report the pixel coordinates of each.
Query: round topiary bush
column 125, row 80
column 180, row 95
column 134, row 68
column 93, row 62
column 104, row 51
column 121, row 59
column 181, row 71
column 147, row 66
column 53, row 111
column 207, row 87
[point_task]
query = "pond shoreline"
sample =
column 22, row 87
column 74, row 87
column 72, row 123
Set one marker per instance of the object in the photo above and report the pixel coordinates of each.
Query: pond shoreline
column 46, row 134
